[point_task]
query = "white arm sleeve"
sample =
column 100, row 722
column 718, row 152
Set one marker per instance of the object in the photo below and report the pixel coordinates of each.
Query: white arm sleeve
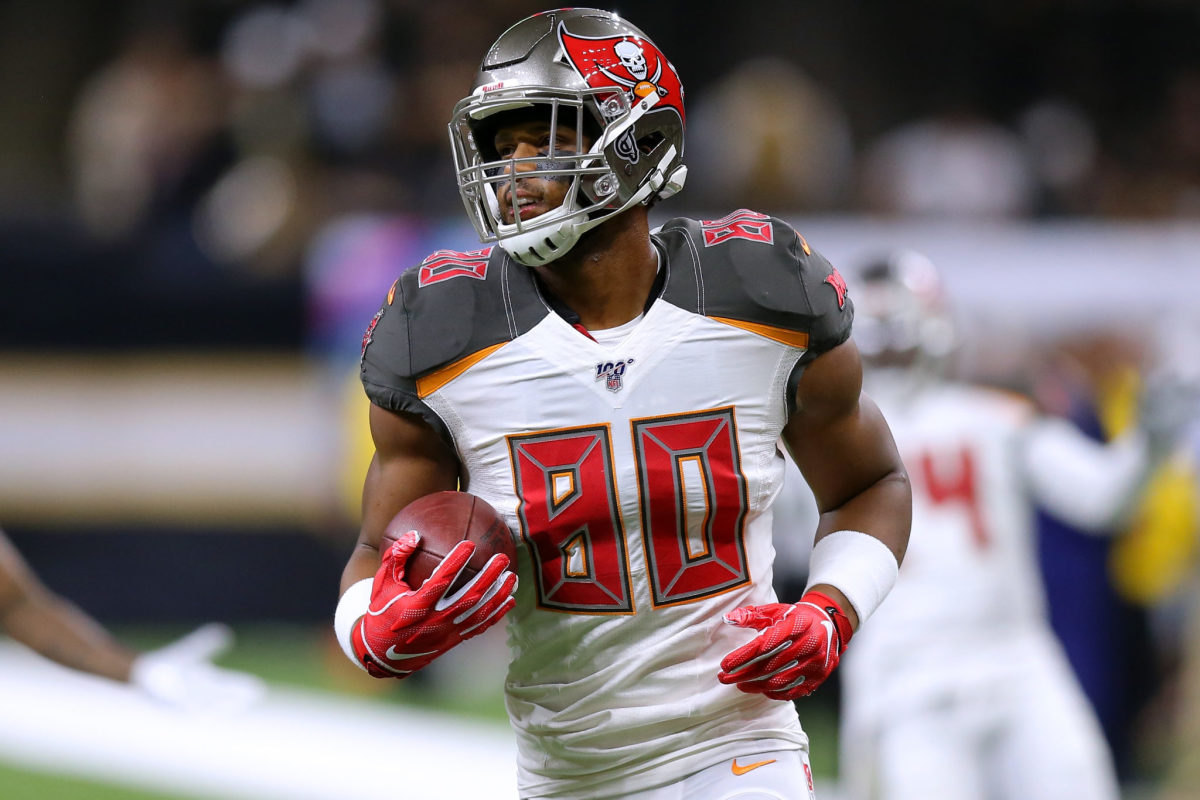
column 1087, row 483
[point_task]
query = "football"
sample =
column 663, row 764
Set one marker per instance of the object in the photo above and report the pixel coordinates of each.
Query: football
column 444, row 519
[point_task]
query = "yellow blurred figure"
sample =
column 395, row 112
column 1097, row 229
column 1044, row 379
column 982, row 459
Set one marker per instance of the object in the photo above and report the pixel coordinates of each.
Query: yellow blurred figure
column 1151, row 561
column 357, row 448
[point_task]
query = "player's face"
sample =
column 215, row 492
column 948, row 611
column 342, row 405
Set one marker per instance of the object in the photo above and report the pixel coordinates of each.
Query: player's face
column 533, row 196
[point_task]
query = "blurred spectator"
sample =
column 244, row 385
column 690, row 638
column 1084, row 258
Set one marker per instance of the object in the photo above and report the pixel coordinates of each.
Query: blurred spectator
column 1063, row 150
column 948, row 154
column 1103, row 591
column 145, row 133
column 955, row 164
column 767, row 136
column 1182, row 122
column 1164, row 181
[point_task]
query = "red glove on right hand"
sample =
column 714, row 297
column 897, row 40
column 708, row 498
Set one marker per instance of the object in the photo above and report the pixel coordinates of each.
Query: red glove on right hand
column 405, row 629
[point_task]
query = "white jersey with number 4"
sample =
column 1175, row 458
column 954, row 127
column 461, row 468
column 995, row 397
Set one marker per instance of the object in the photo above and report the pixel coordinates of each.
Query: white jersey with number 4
column 638, row 476
column 956, row 686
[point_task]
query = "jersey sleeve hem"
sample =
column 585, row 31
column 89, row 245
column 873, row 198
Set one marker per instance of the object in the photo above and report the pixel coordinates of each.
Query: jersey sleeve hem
column 390, row 398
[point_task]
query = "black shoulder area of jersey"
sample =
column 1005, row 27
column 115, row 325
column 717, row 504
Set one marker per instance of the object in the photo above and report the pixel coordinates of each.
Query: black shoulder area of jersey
column 754, row 268
column 447, row 308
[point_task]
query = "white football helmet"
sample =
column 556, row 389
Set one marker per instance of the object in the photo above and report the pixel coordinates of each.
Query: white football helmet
column 901, row 321
column 596, row 73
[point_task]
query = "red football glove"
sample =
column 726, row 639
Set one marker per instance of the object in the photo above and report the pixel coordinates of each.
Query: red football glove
column 797, row 649
column 404, row 629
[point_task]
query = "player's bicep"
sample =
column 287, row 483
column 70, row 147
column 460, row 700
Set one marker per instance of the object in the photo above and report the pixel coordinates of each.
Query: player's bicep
column 840, row 440
column 411, row 460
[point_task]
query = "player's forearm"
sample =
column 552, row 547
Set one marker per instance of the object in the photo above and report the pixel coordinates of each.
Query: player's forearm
column 882, row 510
column 859, row 546
column 362, row 565
column 54, row 628
column 354, row 595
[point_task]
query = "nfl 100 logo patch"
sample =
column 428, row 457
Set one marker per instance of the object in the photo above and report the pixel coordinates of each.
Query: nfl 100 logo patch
column 612, row 373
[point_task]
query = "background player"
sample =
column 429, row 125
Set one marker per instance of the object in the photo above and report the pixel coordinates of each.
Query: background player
column 180, row 674
column 618, row 395
column 959, row 689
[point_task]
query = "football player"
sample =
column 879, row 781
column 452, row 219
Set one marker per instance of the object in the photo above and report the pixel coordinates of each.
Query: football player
column 959, row 688
column 618, row 394
column 179, row 675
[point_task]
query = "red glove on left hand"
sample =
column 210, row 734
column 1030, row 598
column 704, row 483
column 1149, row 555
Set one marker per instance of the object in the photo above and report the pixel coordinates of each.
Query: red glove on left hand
column 798, row 648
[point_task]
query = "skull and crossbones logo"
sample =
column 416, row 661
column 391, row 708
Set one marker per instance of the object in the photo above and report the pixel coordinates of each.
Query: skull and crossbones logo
column 633, row 58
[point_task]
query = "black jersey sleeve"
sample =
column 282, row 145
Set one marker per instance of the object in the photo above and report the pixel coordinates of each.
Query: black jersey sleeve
column 831, row 311
column 447, row 308
column 388, row 368
column 754, row 268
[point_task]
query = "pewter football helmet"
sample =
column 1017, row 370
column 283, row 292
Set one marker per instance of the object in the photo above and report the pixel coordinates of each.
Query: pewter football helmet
column 588, row 70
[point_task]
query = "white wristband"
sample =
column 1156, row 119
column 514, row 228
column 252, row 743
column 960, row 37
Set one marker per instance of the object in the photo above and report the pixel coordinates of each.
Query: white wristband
column 858, row 565
column 354, row 603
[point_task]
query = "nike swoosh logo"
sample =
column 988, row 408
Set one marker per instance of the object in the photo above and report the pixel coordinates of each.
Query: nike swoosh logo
column 738, row 769
column 829, row 630
column 394, row 656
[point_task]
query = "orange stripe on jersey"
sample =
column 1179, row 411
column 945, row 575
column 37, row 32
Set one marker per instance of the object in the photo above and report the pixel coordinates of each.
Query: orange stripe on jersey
column 803, row 243
column 781, row 335
column 430, row 383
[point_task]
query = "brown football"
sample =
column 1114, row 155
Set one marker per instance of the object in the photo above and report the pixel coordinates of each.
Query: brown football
column 444, row 519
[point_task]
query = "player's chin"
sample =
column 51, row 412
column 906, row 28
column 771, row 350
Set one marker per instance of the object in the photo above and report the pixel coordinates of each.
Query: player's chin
column 527, row 213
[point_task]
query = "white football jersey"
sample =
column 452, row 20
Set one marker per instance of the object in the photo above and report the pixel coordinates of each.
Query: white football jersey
column 970, row 562
column 639, row 477
column 956, row 682
column 978, row 461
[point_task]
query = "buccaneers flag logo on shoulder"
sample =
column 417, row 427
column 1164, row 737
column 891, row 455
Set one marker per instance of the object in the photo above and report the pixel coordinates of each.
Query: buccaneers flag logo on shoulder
column 629, row 63
column 838, row 283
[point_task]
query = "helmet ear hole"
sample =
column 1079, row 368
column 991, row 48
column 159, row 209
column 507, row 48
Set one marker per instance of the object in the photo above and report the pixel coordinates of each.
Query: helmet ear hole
column 649, row 142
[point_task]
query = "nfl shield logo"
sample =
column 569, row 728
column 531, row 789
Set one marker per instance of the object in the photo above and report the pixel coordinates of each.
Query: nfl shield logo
column 612, row 372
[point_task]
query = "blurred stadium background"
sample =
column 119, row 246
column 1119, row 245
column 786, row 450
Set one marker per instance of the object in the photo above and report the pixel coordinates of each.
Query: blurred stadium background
column 202, row 203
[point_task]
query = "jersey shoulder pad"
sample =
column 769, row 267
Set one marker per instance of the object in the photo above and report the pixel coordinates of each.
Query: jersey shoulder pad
column 451, row 306
column 752, row 268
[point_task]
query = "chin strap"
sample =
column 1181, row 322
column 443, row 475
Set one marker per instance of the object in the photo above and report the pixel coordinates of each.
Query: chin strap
column 543, row 245
column 672, row 185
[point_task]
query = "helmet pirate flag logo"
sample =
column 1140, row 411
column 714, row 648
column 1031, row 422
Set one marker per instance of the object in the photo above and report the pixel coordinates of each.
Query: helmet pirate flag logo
column 630, row 63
